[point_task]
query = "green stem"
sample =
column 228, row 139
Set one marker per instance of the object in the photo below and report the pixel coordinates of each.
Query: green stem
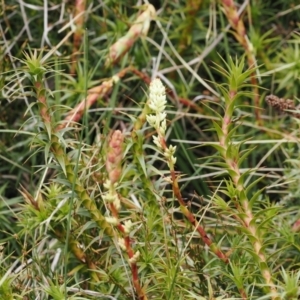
column 246, row 218
column 63, row 160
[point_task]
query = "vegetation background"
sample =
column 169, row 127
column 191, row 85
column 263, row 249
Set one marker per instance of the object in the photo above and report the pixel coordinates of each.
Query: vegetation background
column 92, row 206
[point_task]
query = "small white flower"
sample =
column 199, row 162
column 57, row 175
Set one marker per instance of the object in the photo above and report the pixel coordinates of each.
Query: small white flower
column 112, row 220
column 169, row 152
column 115, row 79
column 172, row 161
column 107, row 184
column 157, row 96
column 121, row 243
column 135, row 257
column 151, row 119
column 168, row 179
column 108, row 197
column 172, row 149
column 163, row 127
column 127, row 226
column 117, row 203
column 161, row 116
column 156, row 141
column 157, row 87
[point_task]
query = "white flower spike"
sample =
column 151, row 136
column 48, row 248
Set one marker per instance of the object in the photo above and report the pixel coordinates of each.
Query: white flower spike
column 157, row 96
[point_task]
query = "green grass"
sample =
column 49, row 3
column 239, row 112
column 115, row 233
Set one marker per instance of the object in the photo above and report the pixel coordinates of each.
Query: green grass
column 92, row 207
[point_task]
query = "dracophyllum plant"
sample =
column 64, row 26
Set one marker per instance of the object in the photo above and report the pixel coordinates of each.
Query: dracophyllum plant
column 157, row 119
column 252, row 218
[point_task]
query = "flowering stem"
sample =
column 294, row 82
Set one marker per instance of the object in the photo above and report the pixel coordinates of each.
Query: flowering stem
column 114, row 169
column 157, row 103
